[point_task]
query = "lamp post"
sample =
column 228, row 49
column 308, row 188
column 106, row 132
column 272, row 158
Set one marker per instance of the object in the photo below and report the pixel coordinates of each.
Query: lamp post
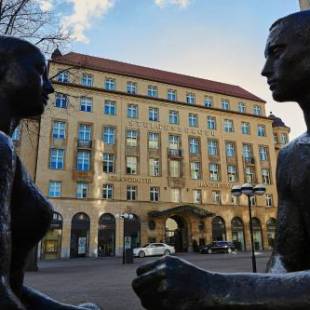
column 125, row 216
column 249, row 190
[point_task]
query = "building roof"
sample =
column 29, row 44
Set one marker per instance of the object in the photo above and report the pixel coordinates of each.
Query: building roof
column 117, row 67
column 277, row 121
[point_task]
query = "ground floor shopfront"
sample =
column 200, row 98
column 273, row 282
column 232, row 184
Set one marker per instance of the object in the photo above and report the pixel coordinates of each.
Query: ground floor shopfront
column 95, row 228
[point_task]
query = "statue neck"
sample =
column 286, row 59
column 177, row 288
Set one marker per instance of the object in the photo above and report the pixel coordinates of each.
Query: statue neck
column 8, row 123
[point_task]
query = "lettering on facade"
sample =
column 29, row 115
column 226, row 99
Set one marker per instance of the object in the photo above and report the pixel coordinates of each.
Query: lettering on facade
column 129, row 179
column 203, row 184
column 171, row 128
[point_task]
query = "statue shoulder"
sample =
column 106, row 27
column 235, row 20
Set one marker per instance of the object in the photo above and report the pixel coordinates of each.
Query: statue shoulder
column 6, row 140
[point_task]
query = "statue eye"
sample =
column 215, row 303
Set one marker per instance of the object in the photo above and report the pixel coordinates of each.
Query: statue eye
column 276, row 50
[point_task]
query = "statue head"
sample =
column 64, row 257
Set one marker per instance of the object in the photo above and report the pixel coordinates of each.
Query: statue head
column 287, row 53
column 24, row 86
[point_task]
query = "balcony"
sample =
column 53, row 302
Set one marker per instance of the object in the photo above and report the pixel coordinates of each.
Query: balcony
column 84, row 144
column 175, row 153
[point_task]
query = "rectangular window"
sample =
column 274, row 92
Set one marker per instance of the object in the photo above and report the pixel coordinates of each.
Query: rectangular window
column 54, row 189
column 268, row 198
column 247, row 152
column 212, row 147
column 131, row 192
column 192, row 120
column 58, row 130
column 85, row 133
column 216, row 197
column 232, row 173
column 61, row 101
column 83, row 161
column 110, row 107
column 153, row 140
column 249, row 175
column 261, row 130
column 214, row 172
column 245, row 128
column 266, row 176
column 172, row 95
column 110, row 84
column 230, row 149
column 208, row 101
column 153, row 114
column 152, row 91
column 81, row 190
column 107, row 191
column 174, row 168
column 131, row 88
column 263, row 153
column 174, row 117
column 109, row 135
column 194, row 147
column 211, row 123
column 87, row 80
column 131, row 164
column 108, row 163
column 241, row 107
column 195, row 170
column 132, row 111
column 228, row 125
column 174, row 142
column 154, row 167
column 132, row 138
column 86, row 104
column 56, row 159
column 63, row 77
column 197, row 196
column 190, row 98
column 283, row 138
column 175, row 195
column 225, row 104
column 154, row 193
column 257, row 110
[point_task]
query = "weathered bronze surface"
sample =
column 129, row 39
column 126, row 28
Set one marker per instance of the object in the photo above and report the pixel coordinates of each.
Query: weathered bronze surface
column 172, row 283
column 25, row 215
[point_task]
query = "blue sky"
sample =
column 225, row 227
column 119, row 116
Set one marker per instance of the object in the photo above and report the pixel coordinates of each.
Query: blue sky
column 221, row 40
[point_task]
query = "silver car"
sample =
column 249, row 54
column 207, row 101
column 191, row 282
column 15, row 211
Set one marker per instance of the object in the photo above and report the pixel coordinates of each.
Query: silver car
column 152, row 249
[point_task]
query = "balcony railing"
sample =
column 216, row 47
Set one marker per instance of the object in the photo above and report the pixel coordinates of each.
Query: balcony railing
column 175, row 153
column 249, row 160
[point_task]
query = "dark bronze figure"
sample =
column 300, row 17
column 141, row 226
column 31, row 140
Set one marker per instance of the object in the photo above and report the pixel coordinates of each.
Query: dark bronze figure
column 171, row 283
column 24, row 90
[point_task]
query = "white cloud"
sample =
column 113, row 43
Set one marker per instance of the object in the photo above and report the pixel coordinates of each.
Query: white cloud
column 83, row 14
column 180, row 3
column 45, row 5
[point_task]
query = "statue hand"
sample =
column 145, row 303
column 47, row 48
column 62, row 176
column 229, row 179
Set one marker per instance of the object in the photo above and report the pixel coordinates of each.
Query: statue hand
column 172, row 283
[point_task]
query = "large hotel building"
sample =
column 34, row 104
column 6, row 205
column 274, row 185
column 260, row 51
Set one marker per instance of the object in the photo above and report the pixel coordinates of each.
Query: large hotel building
column 167, row 148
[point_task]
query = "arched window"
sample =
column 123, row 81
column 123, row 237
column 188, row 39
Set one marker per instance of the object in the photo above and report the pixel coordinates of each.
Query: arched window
column 218, row 229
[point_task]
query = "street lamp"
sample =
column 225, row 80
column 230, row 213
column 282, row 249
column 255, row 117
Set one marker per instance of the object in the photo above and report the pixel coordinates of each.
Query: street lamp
column 125, row 216
column 248, row 190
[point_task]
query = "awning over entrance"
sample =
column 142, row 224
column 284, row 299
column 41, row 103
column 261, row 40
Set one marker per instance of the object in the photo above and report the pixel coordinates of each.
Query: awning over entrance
column 192, row 209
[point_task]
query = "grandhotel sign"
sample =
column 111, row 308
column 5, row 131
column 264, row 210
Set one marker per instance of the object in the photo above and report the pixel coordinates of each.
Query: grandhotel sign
column 170, row 128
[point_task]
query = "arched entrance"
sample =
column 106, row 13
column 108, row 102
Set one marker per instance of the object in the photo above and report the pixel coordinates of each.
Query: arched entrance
column 132, row 234
column 176, row 233
column 218, row 229
column 271, row 231
column 51, row 243
column 238, row 233
column 106, row 235
column 80, row 226
column 257, row 234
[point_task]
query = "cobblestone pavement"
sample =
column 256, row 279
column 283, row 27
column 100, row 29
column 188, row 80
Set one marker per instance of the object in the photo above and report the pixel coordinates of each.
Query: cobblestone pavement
column 107, row 282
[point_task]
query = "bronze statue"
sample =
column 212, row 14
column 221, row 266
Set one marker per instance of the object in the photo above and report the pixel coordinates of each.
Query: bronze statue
column 24, row 90
column 171, row 283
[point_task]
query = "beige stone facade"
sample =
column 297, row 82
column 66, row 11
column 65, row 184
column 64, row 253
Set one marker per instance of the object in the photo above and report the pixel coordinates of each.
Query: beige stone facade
column 105, row 150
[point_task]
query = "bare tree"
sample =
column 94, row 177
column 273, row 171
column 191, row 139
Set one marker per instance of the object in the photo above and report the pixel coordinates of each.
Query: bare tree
column 27, row 20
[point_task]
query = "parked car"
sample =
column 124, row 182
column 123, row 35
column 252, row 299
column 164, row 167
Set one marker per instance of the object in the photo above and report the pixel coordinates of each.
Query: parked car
column 218, row 247
column 152, row 249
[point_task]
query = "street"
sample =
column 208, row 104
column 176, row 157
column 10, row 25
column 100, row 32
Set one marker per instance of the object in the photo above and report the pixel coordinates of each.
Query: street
column 107, row 282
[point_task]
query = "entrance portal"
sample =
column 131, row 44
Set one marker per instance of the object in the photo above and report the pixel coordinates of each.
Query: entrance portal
column 132, row 232
column 106, row 235
column 176, row 233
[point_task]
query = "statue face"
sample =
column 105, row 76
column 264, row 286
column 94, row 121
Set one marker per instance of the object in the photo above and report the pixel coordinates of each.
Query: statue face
column 27, row 84
column 287, row 66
